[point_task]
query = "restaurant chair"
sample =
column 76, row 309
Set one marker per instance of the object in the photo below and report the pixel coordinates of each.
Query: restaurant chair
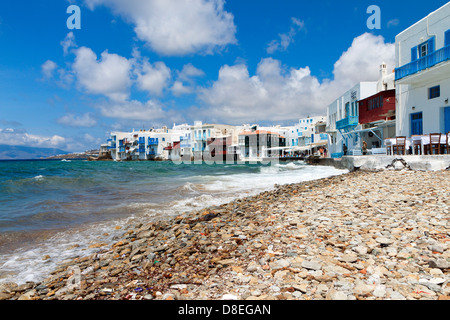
column 400, row 146
column 446, row 148
column 434, row 145
column 417, row 147
column 388, row 147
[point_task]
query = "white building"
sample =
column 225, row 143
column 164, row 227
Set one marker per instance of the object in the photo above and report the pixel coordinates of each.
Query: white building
column 423, row 75
column 202, row 133
column 342, row 118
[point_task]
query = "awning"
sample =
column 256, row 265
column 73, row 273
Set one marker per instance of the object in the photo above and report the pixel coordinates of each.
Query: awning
column 318, row 144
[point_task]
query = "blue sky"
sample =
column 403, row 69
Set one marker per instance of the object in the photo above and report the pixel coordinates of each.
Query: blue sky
column 142, row 64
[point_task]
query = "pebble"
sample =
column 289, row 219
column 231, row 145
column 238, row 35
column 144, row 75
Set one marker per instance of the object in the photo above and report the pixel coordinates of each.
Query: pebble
column 364, row 235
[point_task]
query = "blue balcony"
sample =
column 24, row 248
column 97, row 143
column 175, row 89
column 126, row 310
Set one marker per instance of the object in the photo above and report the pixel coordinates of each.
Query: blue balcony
column 120, row 143
column 153, row 141
column 141, row 150
column 423, row 63
column 112, row 146
column 141, row 140
column 347, row 122
column 152, row 153
column 121, row 149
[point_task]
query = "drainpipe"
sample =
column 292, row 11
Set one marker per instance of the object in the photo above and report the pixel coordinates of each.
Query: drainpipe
column 428, row 30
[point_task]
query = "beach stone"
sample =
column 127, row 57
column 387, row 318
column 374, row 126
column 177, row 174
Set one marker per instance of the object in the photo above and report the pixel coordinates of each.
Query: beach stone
column 385, row 241
column 336, row 295
column 362, row 288
column 439, row 263
column 311, row 265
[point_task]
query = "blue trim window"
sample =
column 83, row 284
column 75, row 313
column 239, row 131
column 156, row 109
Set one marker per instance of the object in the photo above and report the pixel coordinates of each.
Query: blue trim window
column 434, row 92
column 447, row 38
column 423, row 49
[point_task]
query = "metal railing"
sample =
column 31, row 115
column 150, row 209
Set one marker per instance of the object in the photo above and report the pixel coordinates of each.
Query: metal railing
column 423, row 63
column 349, row 121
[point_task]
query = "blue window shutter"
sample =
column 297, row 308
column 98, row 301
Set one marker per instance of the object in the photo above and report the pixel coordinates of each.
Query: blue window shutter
column 431, row 45
column 414, row 54
column 447, row 38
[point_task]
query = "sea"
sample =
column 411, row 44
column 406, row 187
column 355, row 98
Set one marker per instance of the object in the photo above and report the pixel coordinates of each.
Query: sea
column 53, row 211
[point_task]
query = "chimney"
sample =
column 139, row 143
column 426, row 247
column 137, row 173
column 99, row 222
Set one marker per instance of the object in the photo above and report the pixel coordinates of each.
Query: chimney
column 383, row 70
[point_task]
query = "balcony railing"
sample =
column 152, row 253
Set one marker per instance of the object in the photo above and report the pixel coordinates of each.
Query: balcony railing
column 423, row 63
column 347, row 122
column 153, row 141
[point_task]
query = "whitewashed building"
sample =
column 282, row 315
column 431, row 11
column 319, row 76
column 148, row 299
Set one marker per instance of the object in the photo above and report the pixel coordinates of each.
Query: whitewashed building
column 342, row 118
column 423, row 75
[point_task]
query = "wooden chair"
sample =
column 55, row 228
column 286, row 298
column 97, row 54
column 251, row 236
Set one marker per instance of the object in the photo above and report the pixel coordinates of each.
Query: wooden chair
column 400, row 146
column 434, row 145
column 417, row 147
column 446, row 148
column 388, row 144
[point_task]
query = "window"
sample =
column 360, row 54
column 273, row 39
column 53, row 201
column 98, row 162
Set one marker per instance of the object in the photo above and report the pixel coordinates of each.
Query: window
column 434, row 92
column 447, row 38
column 423, row 50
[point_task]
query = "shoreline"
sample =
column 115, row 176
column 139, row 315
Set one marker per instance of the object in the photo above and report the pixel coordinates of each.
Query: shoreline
column 300, row 241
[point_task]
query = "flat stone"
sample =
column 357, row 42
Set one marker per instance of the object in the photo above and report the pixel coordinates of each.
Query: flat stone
column 311, row 265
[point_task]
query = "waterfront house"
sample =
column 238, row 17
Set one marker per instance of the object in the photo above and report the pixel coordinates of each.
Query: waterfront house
column 202, row 132
column 256, row 145
column 342, row 119
column 422, row 75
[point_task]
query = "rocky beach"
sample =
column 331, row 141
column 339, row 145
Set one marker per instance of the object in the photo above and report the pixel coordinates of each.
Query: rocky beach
column 365, row 235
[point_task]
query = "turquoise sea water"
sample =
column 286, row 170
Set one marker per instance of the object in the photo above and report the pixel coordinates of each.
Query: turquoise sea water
column 59, row 208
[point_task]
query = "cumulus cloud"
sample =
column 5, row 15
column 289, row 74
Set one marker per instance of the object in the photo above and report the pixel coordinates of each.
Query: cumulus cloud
column 153, row 78
column 177, row 27
column 110, row 76
column 48, row 68
column 278, row 93
column 86, row 120
column 185, row 83
column 19, row 137
column 68, row 42
column 286, row 39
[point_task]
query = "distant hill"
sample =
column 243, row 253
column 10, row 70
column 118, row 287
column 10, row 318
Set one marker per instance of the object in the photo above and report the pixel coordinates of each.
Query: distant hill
column 27, row 153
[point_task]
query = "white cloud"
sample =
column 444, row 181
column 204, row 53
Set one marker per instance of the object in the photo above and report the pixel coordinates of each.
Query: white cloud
column 110, row 76
column 188, row 72
column 19, row 137
column 361, row 62
column 153, row 78
column 68, row 42
column 177, row 27
column 48, row 69
column 393, row 23
column 185, row 83
column 86, row 120
column 286, row 38
column 277, row 93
